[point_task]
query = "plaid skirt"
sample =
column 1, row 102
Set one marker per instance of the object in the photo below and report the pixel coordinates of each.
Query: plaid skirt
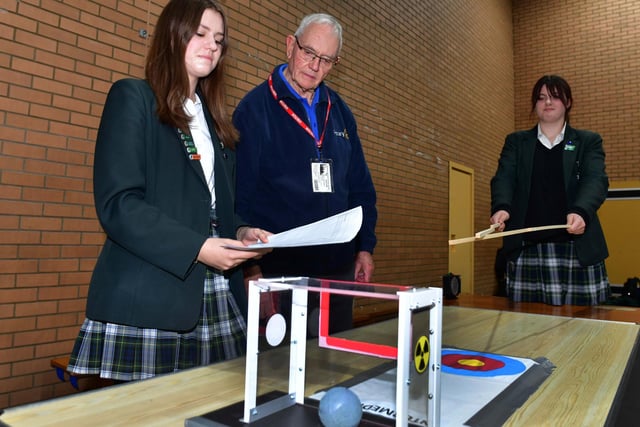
column 128, row 353
column 550, row 273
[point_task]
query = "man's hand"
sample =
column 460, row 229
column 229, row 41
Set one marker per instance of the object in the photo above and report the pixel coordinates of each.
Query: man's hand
column 364, row 267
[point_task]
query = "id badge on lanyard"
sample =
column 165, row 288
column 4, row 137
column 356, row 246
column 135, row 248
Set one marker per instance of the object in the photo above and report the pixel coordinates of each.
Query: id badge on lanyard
column 321, row 169
column 322, row 175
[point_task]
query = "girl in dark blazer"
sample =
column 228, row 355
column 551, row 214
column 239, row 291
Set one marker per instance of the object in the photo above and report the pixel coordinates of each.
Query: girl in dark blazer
column 552, row 174
column 166, row 294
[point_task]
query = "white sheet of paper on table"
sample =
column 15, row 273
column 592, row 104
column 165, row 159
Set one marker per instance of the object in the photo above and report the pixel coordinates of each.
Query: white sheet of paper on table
column 339, row 228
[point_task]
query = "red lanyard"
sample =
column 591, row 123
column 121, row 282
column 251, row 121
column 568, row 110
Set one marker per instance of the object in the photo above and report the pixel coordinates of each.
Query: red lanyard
column 297, row 119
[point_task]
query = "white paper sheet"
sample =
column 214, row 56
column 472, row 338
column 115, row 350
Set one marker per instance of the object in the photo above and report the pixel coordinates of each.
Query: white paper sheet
column 339, row 228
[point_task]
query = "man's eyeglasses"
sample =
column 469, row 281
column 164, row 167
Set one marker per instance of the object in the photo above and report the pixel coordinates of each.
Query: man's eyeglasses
column 309, row 55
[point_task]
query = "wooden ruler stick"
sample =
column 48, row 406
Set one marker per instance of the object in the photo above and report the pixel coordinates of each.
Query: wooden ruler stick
column 481, row 234
column 488, row 234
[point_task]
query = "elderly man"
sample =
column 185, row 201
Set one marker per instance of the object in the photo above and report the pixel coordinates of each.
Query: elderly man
column 299, row 159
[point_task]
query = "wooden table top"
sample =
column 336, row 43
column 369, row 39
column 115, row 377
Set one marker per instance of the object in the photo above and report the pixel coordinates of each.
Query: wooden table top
column 601, row 312
column 590, row 358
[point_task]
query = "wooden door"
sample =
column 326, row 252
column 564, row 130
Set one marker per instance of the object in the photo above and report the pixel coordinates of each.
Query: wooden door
column 461, row 210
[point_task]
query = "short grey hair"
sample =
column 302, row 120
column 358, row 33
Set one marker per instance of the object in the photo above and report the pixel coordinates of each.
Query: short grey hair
column 321, row 18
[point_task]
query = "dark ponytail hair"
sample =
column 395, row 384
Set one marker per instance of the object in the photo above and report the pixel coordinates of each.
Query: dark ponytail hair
column 558, row 88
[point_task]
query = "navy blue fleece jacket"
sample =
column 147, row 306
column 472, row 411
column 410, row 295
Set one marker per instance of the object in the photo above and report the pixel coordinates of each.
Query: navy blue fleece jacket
column 274, row 189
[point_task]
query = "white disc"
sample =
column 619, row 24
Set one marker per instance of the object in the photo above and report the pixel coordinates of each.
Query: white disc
column 276, row 329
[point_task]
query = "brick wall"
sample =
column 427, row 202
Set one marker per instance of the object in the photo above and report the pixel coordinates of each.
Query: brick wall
column 429, row 82
column 57, row 61
column 595, row 46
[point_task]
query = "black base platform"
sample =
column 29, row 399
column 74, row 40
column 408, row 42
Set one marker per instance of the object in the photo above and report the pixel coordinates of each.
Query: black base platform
column 294, row 416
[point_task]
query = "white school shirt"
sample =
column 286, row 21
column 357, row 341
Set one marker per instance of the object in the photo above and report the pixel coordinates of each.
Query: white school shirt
column 202, row 140
column 550, row 144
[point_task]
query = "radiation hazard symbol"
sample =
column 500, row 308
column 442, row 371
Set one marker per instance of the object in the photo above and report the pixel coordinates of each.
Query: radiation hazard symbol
column 421, row 354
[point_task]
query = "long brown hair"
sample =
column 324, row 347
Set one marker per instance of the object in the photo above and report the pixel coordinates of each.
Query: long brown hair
column 167, row 75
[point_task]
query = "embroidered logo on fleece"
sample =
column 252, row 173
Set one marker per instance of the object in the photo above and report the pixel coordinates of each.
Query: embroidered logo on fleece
column 344, row 134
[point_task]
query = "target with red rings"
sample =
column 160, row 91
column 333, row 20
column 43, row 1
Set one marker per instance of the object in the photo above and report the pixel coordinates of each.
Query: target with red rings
column 476, row 364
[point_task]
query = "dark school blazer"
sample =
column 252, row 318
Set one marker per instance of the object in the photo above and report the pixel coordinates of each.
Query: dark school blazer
column 585, row 182
column 153, row 204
